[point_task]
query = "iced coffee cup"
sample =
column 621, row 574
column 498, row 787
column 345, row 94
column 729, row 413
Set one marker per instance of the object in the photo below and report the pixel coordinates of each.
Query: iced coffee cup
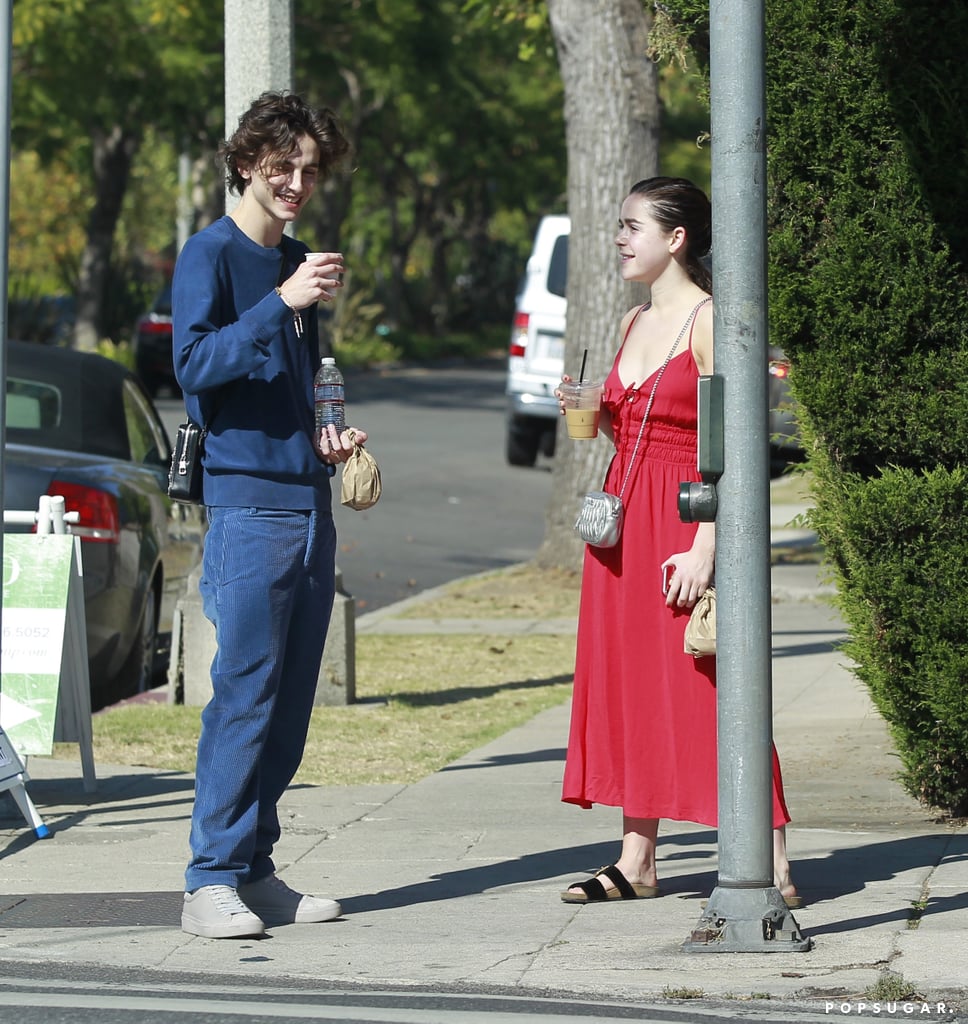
column 583, row 407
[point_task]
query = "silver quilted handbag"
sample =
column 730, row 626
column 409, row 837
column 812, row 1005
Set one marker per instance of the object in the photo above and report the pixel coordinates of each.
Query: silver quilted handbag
column 600, row 519
column 602, row 515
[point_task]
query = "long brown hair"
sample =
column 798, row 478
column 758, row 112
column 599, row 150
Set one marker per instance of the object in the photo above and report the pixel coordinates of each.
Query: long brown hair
column 677, row 203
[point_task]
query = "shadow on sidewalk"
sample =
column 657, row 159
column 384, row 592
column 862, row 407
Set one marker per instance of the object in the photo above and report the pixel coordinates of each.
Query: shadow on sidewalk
column 504, row 760
column 836, row 874
column 135, row 799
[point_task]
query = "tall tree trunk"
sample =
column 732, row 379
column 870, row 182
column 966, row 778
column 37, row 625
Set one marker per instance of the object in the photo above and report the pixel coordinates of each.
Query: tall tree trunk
column 612, row 126
column 208, row 190
column 114, row 152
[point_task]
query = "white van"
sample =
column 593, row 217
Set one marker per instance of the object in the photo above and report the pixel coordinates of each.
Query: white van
column 537, row 350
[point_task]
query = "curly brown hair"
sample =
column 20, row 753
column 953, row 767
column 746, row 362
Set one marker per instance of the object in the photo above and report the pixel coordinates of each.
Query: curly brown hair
column 268, row 132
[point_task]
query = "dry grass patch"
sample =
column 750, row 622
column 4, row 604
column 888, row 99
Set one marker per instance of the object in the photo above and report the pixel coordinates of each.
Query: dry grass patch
column 521, row 592
column 422, row 701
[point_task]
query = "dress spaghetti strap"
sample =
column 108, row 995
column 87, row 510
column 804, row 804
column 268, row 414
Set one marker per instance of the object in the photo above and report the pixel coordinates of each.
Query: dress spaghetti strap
column 628, row 330
column 692, row 326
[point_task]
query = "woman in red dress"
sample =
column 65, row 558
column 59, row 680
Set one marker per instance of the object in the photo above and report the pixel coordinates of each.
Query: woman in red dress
column 643, row 721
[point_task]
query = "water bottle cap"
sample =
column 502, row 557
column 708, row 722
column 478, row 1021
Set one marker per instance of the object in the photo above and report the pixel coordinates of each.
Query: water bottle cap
column 329, row 359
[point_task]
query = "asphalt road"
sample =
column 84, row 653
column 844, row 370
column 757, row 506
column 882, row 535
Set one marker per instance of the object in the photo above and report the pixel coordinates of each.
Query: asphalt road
column 62, row 994
column 451, row 504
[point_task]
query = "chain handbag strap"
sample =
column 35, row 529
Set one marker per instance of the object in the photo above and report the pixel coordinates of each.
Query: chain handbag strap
column 655, row 384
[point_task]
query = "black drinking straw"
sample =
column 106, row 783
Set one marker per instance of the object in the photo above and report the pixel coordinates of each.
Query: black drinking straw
column 581, row 373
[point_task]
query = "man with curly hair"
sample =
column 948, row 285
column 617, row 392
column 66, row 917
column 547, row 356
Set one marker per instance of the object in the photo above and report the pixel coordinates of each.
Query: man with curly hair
column 246, row 346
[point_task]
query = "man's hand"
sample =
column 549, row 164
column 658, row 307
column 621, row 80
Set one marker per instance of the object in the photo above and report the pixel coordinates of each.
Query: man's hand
column 335, row 447
column 318, row 278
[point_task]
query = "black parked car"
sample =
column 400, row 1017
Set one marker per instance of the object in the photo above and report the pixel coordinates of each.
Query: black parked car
column 152, row 345
column 82, row 426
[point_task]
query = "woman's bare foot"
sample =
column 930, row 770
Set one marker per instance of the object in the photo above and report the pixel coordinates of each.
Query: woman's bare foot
column 632, row 876
column 781, row 868
column 788, row 892
column 637, row 861
column 608, row 884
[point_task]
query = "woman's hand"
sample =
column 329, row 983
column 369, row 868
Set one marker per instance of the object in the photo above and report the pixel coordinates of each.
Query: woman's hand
column 687, row 575
column 565, row 379
column 334, row 447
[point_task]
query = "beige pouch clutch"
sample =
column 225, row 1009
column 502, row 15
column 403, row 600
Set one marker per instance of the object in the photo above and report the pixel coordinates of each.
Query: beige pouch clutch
column 700, row 638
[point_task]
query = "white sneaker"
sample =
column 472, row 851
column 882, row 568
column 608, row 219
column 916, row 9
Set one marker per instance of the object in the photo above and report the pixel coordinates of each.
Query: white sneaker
column 216, row 912
column 276, row 903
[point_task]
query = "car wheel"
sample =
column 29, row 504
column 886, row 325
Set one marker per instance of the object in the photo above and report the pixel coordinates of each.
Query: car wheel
column 137, row 673
column 548, row 441
column 522, row 443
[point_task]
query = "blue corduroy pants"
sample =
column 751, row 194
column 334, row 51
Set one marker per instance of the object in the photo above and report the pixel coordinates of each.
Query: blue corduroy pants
column 268, row 579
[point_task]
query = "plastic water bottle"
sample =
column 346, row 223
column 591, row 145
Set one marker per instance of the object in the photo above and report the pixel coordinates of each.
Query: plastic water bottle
column 330, row 397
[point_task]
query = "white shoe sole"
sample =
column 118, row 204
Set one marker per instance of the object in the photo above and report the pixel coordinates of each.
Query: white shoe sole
column 329, row 911
column 242, row 930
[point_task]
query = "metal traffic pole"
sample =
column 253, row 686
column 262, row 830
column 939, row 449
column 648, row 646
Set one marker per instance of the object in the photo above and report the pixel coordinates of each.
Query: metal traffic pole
column 746, row 912
column 6, row 55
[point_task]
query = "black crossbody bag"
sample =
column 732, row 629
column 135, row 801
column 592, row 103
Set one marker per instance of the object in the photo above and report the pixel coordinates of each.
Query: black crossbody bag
column 185, row 472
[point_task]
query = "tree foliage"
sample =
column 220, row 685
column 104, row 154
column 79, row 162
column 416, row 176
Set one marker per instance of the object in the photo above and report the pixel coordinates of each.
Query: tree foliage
column 867, row 109
column 455, row 109
column 91, row 77
column 82, row 65
column 455, row 114
column 459, row 148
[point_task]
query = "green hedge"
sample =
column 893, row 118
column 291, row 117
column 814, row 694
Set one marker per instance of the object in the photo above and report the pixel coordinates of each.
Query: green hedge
column 901, row 557
column 868, row 192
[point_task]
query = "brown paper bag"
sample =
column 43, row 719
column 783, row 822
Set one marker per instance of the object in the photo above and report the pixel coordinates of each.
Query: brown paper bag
column 361, row 484
column 700, row 638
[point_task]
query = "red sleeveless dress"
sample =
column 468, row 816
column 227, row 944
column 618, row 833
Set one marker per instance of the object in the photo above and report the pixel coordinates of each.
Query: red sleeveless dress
column 643, row 717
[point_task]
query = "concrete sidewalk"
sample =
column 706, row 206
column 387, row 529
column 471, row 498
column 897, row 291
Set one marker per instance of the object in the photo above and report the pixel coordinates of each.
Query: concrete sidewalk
column 454, row 880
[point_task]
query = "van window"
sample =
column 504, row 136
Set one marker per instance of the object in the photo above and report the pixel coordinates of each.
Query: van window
column 558, row 269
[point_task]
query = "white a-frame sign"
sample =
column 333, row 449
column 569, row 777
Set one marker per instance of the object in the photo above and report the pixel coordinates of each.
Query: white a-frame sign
column 45, row 686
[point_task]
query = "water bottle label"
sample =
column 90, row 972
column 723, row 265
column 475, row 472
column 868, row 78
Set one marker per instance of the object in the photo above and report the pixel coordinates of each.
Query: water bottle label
column 329, row 393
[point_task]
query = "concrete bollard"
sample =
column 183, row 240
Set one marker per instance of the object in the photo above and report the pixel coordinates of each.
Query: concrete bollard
column 193, row 649
column 336, row 684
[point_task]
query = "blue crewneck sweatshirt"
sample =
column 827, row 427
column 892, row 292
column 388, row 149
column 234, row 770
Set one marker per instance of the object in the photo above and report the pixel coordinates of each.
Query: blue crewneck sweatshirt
column 245, row 373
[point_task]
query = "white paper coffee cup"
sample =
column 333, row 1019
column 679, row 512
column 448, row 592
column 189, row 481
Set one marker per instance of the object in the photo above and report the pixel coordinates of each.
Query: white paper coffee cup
column 312, row 256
